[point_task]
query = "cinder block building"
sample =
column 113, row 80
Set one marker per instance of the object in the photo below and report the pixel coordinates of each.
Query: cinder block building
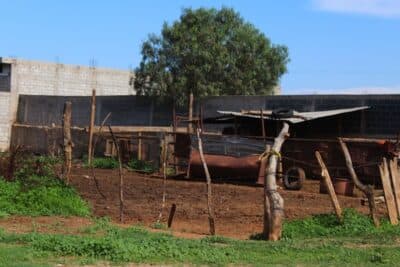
column 42, row 78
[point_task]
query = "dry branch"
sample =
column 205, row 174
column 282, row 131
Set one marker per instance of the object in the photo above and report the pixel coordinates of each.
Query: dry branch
column 121, row 178
column 209, row 191
column 366, row 189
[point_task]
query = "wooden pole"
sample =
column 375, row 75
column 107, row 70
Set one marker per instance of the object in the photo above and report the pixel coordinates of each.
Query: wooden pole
column 164, row 155
column 366, row 189
column 387, row 190
column 331, row 190
column 266, row 204
column 275, row 200
column 171, row 215
column 67, row 140
column 190, row 124
column 91, row 125
column 262, row 124
column 121, row 178
column 140, row 144
column 209, row 191
column 394, row 171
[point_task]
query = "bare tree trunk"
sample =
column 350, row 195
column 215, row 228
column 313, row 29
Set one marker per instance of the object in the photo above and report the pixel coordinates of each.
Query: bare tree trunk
column 91, row 126
column 366, row 189
column 164, row 170
column 67, row 141
column 275, row 200
column 328, row 182
column 209, row 191
column 121, row 178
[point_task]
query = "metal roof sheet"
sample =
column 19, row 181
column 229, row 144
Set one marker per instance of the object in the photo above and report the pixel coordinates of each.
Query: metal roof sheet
column 298, row 117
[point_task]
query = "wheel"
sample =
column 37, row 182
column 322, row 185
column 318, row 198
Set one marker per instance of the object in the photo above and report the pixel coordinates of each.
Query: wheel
column 294, row 178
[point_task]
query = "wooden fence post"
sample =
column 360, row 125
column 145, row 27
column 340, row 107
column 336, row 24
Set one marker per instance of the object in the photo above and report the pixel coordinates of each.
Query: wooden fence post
column 275, row 199
column 331, row 190
column 67, row 140
column 91, row 126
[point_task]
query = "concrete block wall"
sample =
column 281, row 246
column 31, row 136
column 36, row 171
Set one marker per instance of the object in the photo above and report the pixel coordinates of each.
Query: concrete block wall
column 43, row 78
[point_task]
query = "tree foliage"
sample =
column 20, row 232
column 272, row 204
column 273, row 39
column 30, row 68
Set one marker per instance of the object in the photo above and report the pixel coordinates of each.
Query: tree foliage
column 209, row 52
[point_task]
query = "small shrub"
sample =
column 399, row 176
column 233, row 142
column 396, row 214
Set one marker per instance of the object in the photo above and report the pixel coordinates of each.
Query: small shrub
column 103, row 163
column 141, row 165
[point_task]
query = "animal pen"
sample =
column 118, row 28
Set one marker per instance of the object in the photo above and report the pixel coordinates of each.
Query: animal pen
column 237, row 146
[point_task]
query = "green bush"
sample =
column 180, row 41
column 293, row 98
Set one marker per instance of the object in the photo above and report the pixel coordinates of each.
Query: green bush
column 141, row 165
column 103, row 163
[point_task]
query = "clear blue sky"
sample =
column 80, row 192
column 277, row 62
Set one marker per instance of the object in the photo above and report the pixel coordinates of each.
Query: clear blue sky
column 335, row 46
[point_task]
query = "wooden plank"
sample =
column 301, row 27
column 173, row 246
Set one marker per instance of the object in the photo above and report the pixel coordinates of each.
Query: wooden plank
column 331, row 190
column 394, row 174
column 387, row 189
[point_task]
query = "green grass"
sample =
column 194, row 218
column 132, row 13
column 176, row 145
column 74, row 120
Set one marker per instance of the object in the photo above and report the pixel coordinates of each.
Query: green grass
column 35, row 190
column 337, row 245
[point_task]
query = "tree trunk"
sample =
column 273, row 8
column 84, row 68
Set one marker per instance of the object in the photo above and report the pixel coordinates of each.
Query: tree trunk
column 190, row 117
column 67, row 141
column 164, row 159
column 366, row 189
column 209, row 192
column 275, row 200
column 266, row 204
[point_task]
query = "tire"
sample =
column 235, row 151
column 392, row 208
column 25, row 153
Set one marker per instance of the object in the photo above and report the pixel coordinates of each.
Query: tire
column 294, row 178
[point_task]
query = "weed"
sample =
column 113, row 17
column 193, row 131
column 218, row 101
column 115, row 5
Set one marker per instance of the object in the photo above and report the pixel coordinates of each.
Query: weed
column 159, row 225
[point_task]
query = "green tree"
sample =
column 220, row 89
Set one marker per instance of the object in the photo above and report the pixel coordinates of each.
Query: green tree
column 209, row 52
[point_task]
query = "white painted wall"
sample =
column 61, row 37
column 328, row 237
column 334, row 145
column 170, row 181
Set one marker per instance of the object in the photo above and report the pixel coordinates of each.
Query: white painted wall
column 43, row 78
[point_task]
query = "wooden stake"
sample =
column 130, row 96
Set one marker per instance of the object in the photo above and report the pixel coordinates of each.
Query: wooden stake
column 190, row 124
column 394, row 171
column 67, row 141
column 366, row 189
column 139, row 153
column 164, row 155
column 387, row 190
column 91, row 125
column 331, row 190
column 121, row 178
column 171, row 215
column 209, row 191
column 275, row 200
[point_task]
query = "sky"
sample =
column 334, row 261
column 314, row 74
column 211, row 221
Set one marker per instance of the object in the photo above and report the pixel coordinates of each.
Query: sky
column 335, row 46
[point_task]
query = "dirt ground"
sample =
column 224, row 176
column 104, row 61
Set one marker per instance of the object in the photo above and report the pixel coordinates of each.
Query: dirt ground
column 238, row 208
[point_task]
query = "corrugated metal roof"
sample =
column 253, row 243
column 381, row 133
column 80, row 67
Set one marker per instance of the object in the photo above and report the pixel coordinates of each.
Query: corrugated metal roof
column 296, row 118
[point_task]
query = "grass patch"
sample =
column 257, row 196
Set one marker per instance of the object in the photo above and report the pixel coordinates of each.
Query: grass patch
column 106, row 242
column 35, row 190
